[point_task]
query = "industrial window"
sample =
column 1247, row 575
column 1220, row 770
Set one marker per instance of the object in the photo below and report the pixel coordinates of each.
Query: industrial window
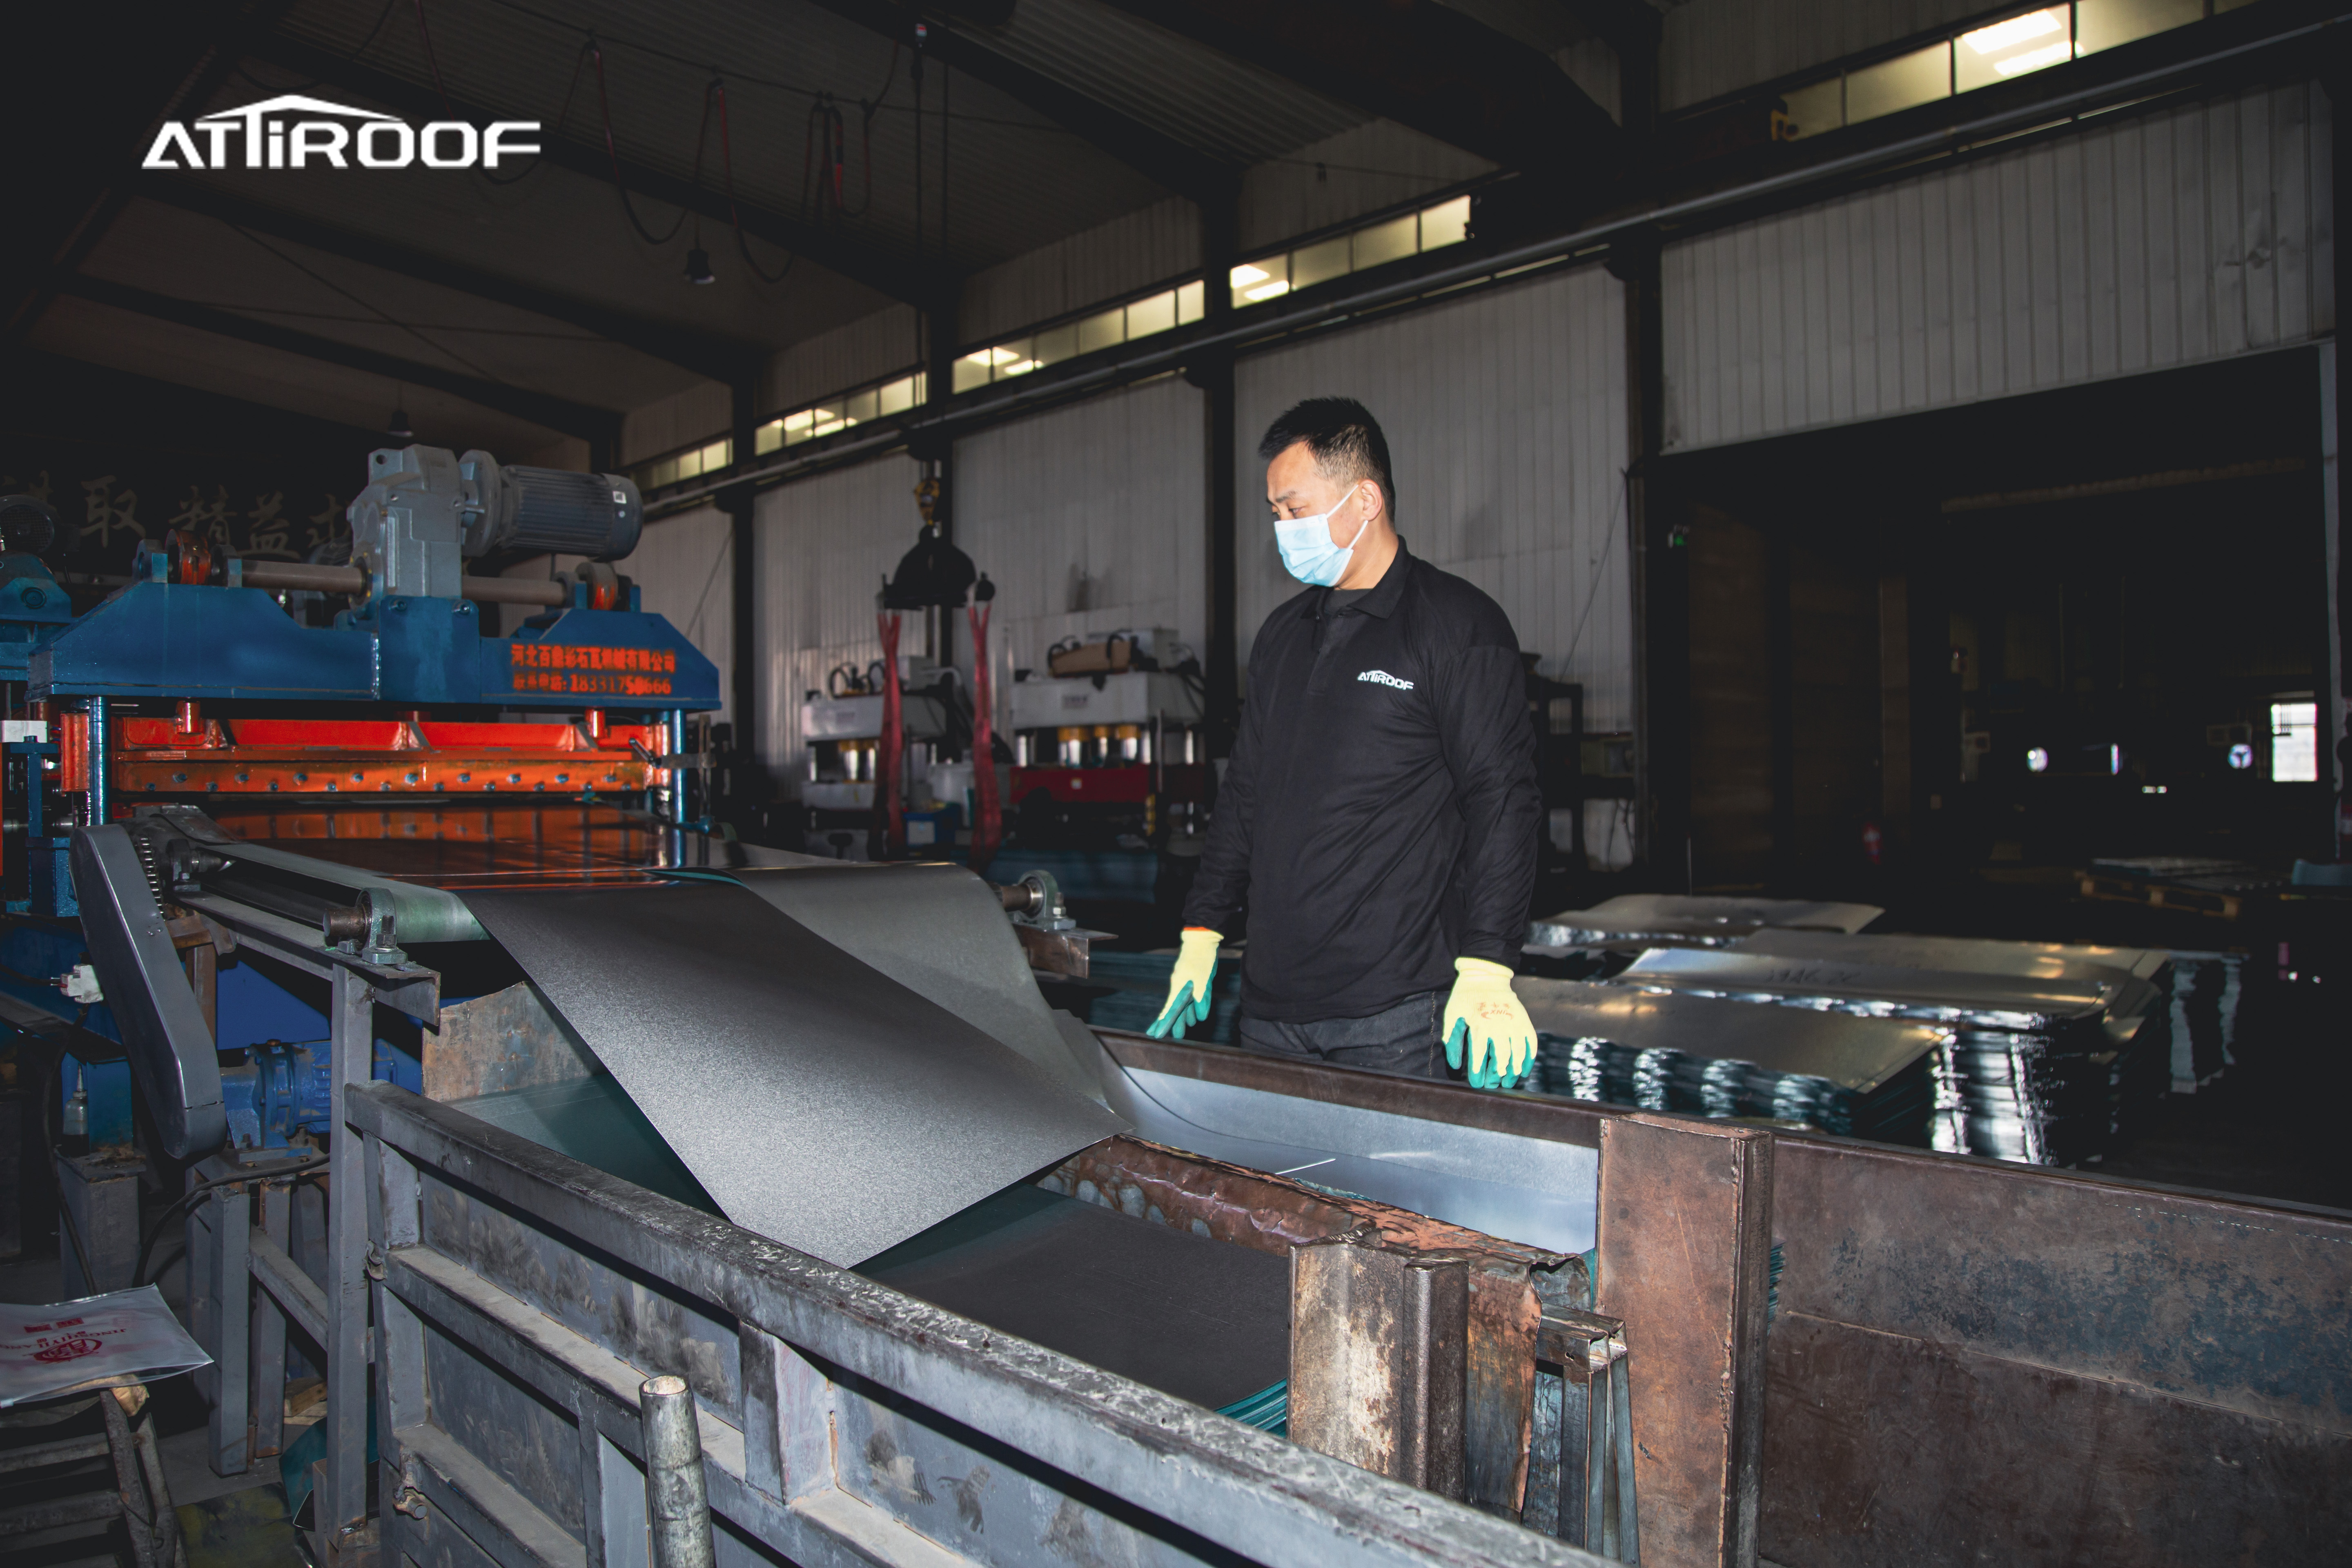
column 2013, row 47
column 1392, row 239
column 690, row 464
column 2294, row 741
column 1160, row 313
column 893, row 396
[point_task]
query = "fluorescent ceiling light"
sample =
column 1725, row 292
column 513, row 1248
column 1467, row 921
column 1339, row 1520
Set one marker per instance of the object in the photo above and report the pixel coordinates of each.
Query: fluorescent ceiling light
column 2016, row 30
column 2033, row 60
column 1018, row 367
column 1245, row 275
column 996, row 356
column 1268, row 291
column 801, row 421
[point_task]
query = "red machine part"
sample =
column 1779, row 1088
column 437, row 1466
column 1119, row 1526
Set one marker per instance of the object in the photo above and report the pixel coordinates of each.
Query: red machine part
column 886, row 787
column 187, row 754
column 988, row 831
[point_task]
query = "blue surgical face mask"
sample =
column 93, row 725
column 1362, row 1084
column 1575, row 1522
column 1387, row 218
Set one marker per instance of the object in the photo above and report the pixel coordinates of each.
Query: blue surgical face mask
column 1307, row 551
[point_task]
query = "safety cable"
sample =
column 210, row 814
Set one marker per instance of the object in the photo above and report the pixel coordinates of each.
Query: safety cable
column 562, row 118
column 727, row 160
column 425, row 34
column 613, row 153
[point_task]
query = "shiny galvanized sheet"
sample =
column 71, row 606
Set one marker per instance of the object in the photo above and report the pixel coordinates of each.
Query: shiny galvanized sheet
column 1528, row 1190
column 1699, row 921
column 939, row 930
column 1992, row 1001
column 821, row 1102
column 1858, row 1053
column 1964, row 954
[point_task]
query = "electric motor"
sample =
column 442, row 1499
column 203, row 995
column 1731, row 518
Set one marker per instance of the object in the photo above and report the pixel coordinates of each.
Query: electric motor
column 553, row 510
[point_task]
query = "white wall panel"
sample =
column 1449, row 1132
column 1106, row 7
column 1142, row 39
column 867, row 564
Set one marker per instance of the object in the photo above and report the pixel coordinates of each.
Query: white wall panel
column 1123, row 256
column 868, row 349
column 1506, row 420
column 698, row 414
column 684, row 567
column 1089, row 518
column 1714, row 47
column 823, row 546
column 1374, row 166
column 2133, row 244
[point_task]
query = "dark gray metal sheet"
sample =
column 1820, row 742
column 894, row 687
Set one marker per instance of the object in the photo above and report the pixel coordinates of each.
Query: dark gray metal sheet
column 819, row 1101
column 936, row 929
column 1698, row 920
column 1202, row 1320
column 1996, row 1001
column 1967, row 955
column 1858, row 1053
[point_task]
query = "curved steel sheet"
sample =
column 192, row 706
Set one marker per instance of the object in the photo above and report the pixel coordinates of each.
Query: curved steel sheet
column 821, row 1102
column 939, row 930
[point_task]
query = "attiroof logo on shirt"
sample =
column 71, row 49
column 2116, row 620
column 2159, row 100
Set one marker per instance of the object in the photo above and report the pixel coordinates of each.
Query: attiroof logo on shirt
column 1382, row 677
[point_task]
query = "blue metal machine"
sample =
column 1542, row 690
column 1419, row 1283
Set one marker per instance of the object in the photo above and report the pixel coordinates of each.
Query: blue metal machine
column 199, row 681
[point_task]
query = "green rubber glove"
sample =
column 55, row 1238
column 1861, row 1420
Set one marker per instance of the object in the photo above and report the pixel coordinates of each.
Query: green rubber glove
column 1188, row 986
column 1486, row 1022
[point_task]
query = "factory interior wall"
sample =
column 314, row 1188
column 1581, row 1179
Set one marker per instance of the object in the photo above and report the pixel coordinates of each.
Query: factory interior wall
column 2134, row 564
column 1507, row 427
column 1710, row 47
column 1089, row 518
column 2134, row 244
column 822, row 546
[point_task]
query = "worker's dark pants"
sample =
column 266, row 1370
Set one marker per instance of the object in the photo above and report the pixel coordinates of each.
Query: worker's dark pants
column 1403, row 1039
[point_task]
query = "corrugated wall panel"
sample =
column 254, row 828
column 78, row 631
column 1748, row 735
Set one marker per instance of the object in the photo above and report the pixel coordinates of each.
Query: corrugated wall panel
column 1506, row 420
column 825, row 545
column 1091, row 518
column 2131, row 245
column 867, row 348
column 698, row 414
column 1714, row 47
column 684, row 567
column 1106, row 262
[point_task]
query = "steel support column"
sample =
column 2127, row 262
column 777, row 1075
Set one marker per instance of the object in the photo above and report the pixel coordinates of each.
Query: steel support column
column 2337, row 416
column 1213, row 374
column 743, row 694
column 343, row 1504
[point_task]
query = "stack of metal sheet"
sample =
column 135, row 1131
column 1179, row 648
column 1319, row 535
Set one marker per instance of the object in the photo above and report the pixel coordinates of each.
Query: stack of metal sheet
column 2137, row 1072
column 2040, row 1058
column 1674, row 920
column 1885, row 1078
column 2198, row 1028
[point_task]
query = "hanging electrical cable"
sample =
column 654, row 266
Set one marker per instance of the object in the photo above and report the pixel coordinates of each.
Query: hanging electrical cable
column 425, row 34
column 563, row 118
column 727, row 161
column 612, row 154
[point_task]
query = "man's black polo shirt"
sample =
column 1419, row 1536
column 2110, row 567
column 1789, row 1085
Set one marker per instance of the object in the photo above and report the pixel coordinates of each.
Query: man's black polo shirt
column 1379, row 813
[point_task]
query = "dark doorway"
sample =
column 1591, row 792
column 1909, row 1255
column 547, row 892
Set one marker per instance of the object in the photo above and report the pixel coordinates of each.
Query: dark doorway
column 2025, row 632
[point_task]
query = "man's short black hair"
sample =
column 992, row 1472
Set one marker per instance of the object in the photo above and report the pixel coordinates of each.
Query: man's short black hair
column 1344, row 437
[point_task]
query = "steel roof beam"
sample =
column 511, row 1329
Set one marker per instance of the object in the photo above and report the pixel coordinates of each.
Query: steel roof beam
column 1142, row 146
column 721, row 359
column 883, row 272
column 558, row 413
column 1419, row 63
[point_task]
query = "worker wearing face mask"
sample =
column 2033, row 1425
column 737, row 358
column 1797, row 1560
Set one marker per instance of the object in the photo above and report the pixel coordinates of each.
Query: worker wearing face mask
column 1377, row 817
